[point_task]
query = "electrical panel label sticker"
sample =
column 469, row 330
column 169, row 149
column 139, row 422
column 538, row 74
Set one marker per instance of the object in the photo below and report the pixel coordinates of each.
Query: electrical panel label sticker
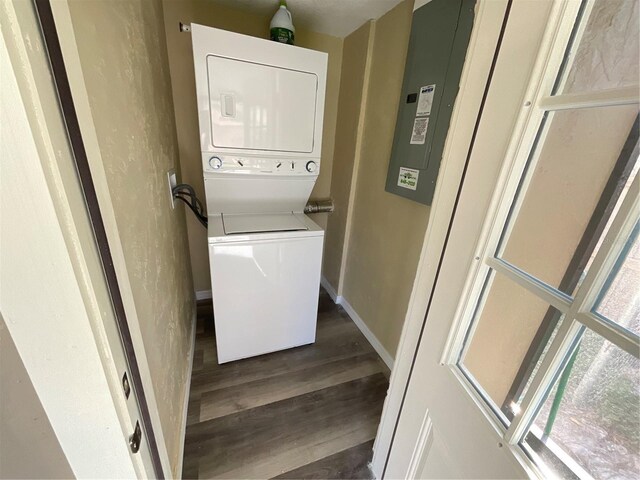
column 419, row 133
column 426, row 100
column 408, row 178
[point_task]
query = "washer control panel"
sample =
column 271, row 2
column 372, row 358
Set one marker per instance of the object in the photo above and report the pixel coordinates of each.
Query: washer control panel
column 258, row 165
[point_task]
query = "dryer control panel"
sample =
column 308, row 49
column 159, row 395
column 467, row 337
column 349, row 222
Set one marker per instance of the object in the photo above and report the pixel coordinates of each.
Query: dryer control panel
column 212, row 163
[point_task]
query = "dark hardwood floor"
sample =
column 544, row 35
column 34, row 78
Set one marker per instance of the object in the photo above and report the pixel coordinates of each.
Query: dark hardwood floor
column 307, row 412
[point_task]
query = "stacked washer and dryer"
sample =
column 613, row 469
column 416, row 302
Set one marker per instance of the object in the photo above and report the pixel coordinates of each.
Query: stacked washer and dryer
column 260, row 109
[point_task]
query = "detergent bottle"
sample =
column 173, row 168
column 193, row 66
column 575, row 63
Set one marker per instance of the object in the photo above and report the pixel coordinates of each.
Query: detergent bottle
column 282, row 29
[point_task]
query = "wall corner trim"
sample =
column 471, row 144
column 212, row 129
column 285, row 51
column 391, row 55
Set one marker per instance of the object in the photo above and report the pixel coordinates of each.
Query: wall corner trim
column 346, row 243
column 330, row 290
column 185, row 406
column 203, row 295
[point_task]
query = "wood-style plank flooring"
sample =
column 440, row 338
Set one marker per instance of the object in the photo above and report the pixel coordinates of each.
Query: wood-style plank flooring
column 307, row 412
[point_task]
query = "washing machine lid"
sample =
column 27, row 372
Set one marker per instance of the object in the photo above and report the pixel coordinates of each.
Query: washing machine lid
column 225, row 228
column 235, row 224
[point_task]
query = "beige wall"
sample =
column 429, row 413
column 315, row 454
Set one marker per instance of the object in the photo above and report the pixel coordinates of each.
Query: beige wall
column 183, row 83
column 29, row 447
column 386, row 230
column 123, row 57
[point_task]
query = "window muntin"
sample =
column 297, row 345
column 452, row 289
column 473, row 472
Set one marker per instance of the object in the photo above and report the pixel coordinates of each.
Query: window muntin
column 559, row 213
column 504, row 328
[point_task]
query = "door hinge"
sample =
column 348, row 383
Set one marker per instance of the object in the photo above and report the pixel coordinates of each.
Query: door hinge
column 125, row 386
column 135, row 438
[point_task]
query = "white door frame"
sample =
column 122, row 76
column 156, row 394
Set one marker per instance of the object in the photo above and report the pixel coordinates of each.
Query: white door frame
column 23, row 34
column 53, row 293
column 68, row 45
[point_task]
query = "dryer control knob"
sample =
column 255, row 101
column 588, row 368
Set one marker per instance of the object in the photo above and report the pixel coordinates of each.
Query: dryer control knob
column 215, row 162
column 312, row 166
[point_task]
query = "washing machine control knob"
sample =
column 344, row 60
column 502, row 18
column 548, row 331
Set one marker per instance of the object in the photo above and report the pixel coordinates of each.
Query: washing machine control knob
column 312, row 166
column 215, row 162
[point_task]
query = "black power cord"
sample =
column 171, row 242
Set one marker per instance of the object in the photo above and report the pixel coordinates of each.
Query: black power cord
column 187, row 194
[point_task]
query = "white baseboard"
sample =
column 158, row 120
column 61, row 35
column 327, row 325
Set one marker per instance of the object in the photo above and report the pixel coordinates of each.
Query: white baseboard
column 330, row 290
column 375, row 343
column 185, row 407
column 203, row 295
column 373, row 340
column 338, row 299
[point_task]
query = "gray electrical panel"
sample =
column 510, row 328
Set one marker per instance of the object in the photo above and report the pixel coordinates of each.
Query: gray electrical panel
column 440, row 34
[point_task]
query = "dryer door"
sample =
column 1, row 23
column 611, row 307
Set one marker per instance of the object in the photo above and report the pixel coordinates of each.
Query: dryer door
column 261, row 107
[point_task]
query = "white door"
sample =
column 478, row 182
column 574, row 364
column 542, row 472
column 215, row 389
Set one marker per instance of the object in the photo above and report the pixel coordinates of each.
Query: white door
column 527, row 364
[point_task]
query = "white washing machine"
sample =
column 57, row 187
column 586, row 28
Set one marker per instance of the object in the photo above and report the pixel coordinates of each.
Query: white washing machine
column 260, row 107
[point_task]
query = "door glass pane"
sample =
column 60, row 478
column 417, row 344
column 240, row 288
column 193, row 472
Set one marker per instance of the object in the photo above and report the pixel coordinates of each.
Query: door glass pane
column 620, row 299
column 573, row 184
column 606, row 48
column 592, row 416
column 510, row 333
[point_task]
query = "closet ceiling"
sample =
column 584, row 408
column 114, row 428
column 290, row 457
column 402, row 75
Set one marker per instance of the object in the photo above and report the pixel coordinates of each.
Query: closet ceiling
column 332, row 17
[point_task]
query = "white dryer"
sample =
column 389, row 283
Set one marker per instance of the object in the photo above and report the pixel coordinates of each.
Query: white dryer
column 260, row 107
